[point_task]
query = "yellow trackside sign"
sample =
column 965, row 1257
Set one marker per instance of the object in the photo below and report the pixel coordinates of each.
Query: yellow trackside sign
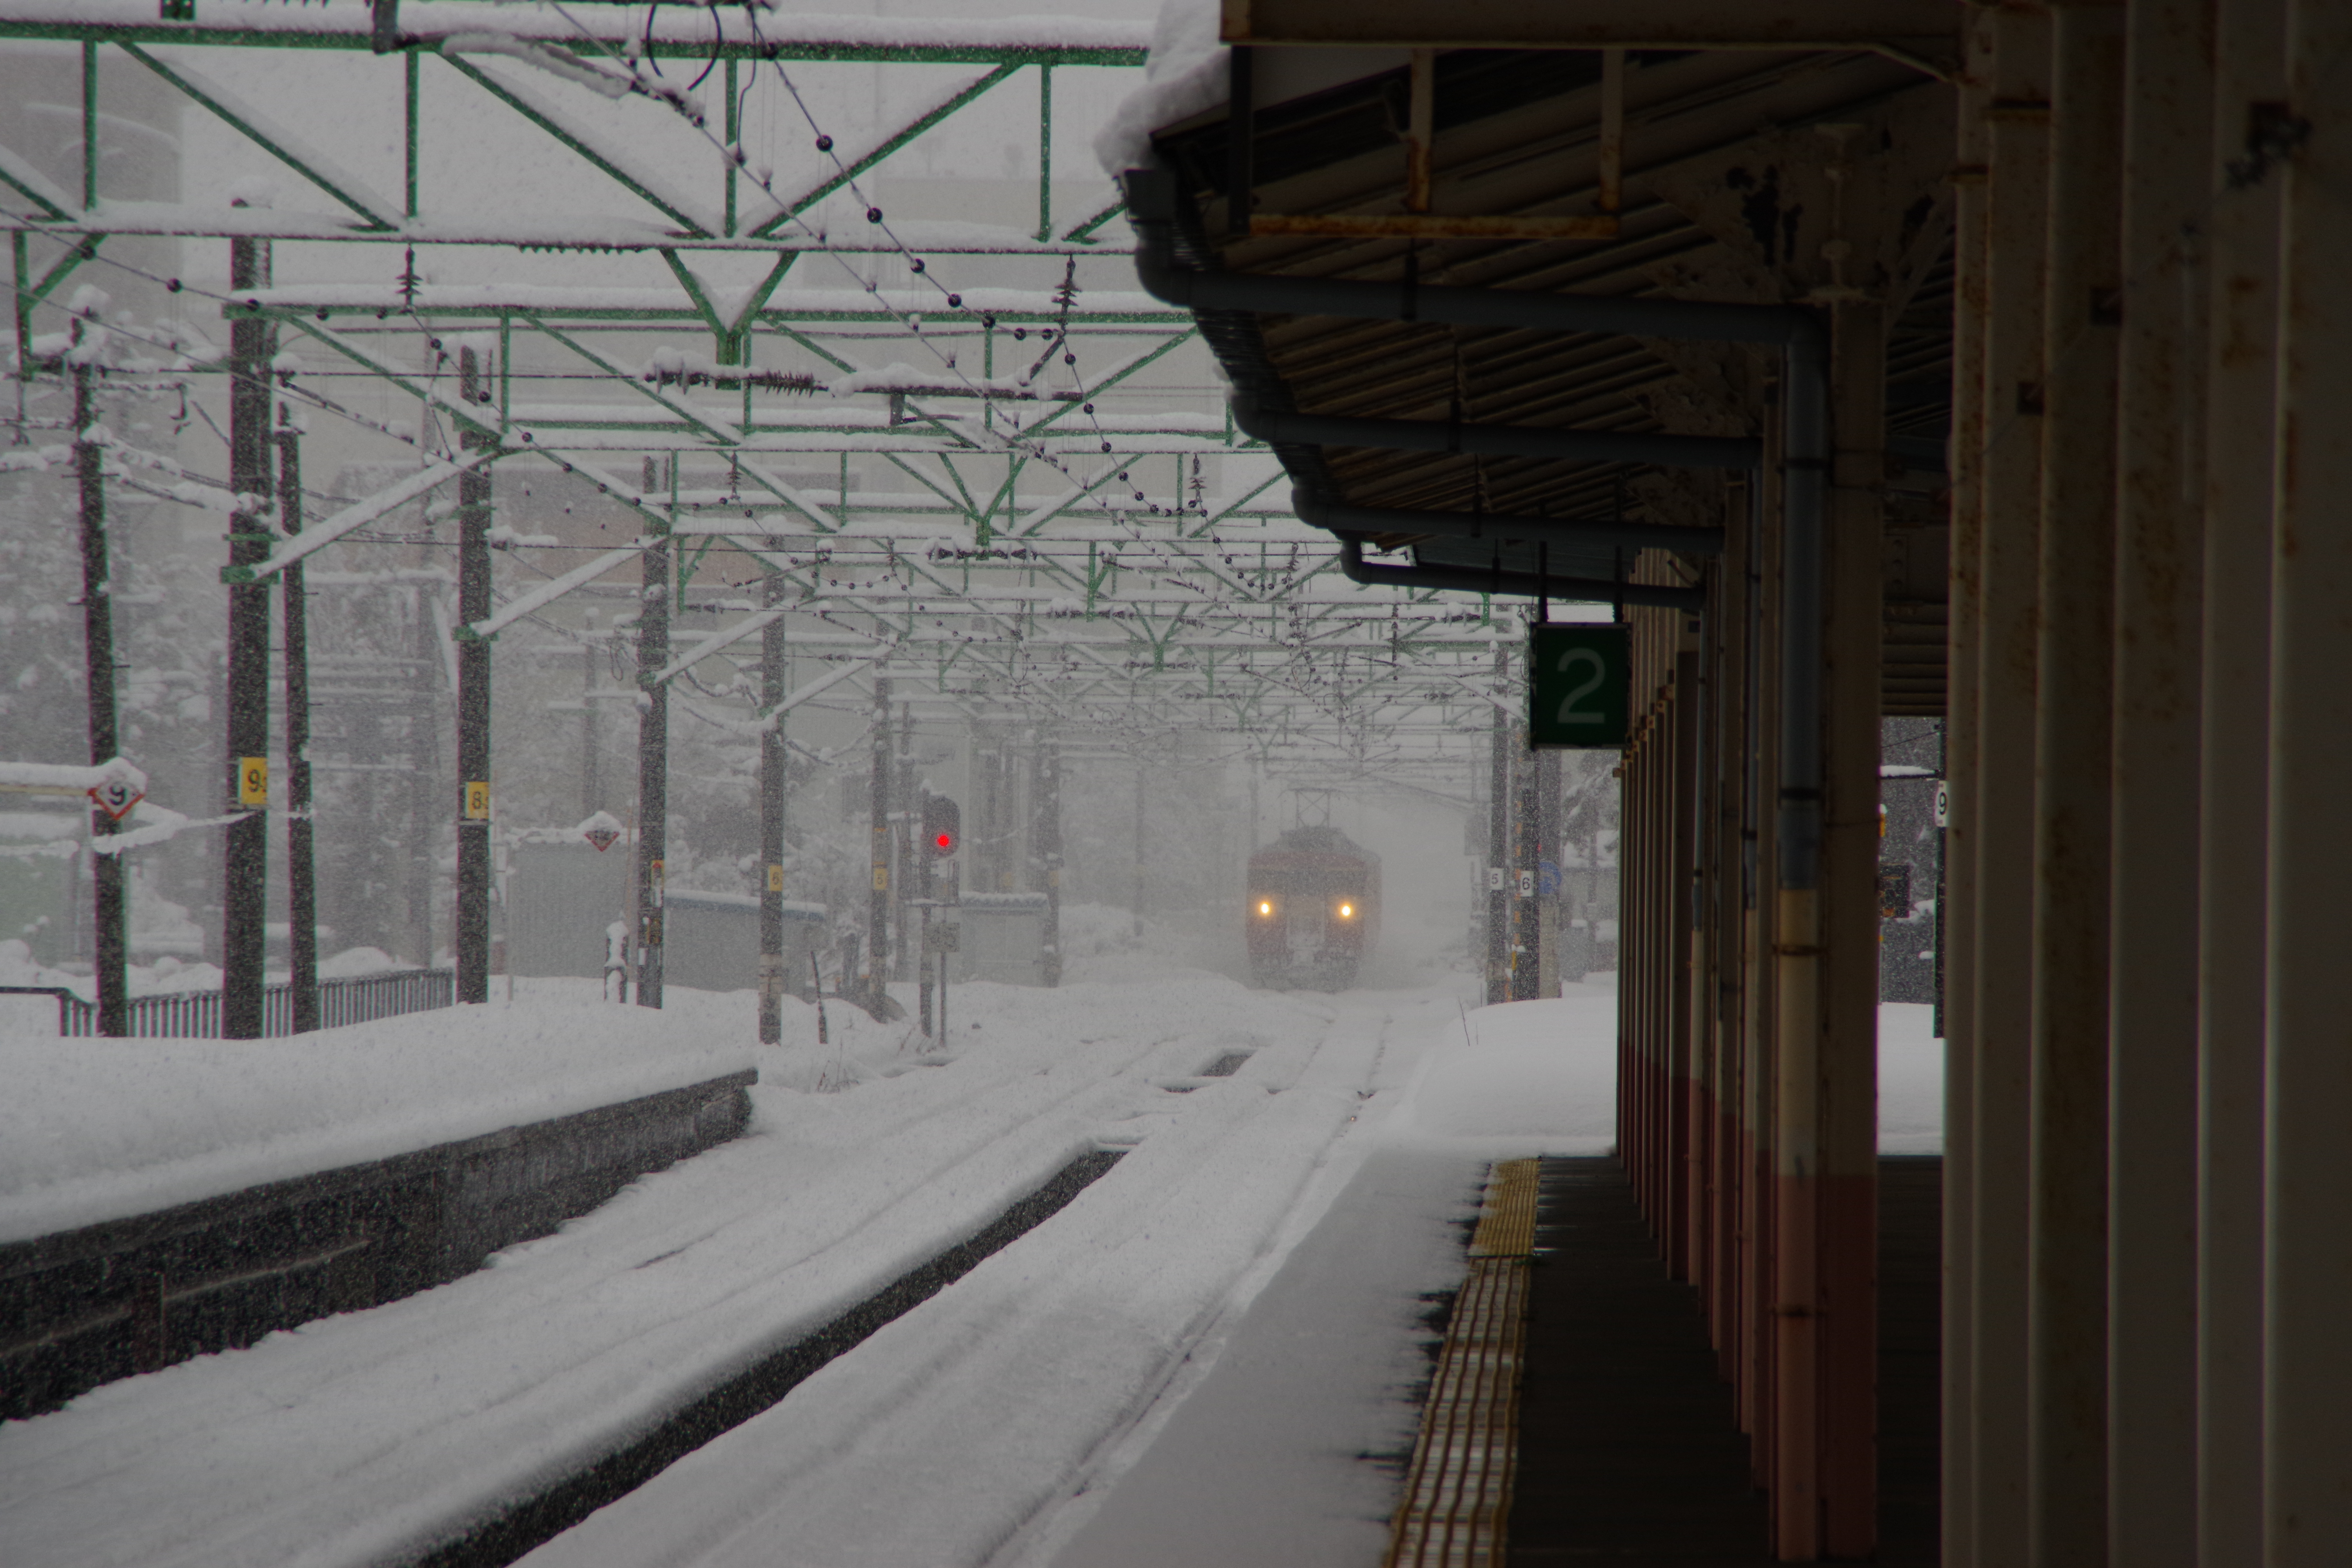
column 775, row 878
column 477, row 800
column 253, row 781
column 881, row 878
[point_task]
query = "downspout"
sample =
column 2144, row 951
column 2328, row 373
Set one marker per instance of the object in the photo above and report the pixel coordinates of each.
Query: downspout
column 1335, row 518
column 1523, row 584
column 1276, row 427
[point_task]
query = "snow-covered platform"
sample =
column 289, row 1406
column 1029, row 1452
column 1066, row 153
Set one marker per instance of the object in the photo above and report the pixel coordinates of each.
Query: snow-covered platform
column 161, row 1199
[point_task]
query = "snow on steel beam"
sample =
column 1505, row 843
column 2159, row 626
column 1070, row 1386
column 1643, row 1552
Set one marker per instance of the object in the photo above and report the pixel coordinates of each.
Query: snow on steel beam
column 713, row 641
column 676, row 33
column 554, row 588
column 31, row 183
column 317, row 536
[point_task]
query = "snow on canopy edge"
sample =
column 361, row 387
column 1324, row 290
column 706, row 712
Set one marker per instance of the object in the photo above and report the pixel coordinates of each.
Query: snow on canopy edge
column 88, row 1139
column 1183, row 74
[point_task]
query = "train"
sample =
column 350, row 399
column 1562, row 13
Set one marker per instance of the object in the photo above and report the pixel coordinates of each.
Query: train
column 1313, row 909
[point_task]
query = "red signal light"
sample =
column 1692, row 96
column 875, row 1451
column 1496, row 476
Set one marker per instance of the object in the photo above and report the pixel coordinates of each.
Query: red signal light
column 942, row 825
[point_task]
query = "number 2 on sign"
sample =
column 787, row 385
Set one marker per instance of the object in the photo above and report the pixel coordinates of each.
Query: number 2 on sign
column 1569, row 662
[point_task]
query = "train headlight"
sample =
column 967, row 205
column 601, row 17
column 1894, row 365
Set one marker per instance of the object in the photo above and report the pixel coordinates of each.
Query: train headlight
column 1265, row 906
column 1347, row 911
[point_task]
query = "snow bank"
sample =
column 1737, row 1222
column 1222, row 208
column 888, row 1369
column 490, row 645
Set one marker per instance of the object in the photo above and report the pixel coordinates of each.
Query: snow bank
column 1538, row 1076
column 1910, row 1079
column 98, row 1130
column 1541, row 1077
column 1183, row 74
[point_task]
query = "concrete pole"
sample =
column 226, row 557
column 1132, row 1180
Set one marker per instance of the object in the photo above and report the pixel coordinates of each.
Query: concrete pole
column 1049, row 848
column 301, row 879
column 1499, row 841
column 1526, row 939
column 1142, row 775
column 772, row 759
column 2240, row 455
column 1998, row 919
column 2308, row 1487
column 245, row 843
column 1955, row 927
column 653, row 742
column 2152, row 1005
column 2066, row 1350
column 877, row 908
column 472, row 940
column 108, row 907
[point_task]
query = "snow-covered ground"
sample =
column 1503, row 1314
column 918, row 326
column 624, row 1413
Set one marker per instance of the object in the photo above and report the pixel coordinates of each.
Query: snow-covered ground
column 1241, row 1290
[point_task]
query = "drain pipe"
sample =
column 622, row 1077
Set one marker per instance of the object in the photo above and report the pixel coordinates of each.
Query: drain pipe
column 1152, row 199
column 1276, row 427
column 1518, row 584
column 1337, row 518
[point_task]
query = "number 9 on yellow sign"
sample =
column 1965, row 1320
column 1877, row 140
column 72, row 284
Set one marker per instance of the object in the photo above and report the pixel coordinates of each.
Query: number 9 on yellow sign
column 253, row 781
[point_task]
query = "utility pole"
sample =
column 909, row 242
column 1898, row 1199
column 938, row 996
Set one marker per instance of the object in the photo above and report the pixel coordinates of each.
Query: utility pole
column 107, row 907
column 1548, row 929
column 301, row 878
column 1527, row 944
column 1049, row 854
column 244, row 843
column 424, row 783
column 591, row 787
column 1499, row 847
column 472, row 940
column 1140, row 776
column 652, row 743
column 878, row 909
column 909, row 957
column 772, row 816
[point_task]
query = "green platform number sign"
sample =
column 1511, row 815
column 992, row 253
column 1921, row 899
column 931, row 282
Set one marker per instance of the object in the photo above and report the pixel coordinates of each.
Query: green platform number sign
column 1579, row 692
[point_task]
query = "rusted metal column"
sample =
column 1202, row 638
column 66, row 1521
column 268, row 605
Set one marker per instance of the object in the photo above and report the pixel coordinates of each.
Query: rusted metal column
column 2008, row 469
column 1681, row 824
column 2159, row 556
column 1955, row 932
column 1719, row 986
column 2066, row 1342
column 1853, row 627
column 2307, row 1488
column 1796, row 1361
column 2240, row 455
column 1759, row 1070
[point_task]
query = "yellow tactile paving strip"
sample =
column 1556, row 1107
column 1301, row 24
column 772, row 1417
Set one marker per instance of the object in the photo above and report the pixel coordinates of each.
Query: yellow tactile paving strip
column 1506, row 1224
column 1457, row 1492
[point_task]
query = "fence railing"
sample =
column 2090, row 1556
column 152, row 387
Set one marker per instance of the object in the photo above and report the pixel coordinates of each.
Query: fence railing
column 197, row 1014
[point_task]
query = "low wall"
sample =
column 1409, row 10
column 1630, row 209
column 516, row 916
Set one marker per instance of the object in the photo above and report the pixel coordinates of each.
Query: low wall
column 84, row 1306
